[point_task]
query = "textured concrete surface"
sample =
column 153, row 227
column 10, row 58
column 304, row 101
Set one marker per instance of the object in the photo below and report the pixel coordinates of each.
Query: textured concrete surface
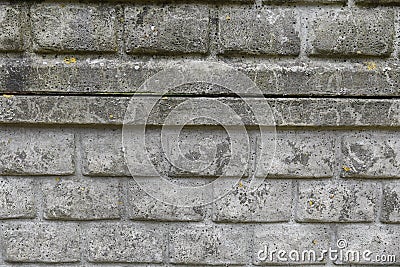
column 327, row 69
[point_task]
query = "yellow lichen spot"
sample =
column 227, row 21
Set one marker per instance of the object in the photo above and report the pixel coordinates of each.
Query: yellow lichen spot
column 164, row 98
column 315, row 242
column 228, row 17
column 331, row 196
column 69, row 60
column 240, row 185
column 111, row 116
column 58, row 179
column 310, row 202
column 82, row 188
column 370, row 65
column 120, row 202
column 7, row 96
column 346, row 169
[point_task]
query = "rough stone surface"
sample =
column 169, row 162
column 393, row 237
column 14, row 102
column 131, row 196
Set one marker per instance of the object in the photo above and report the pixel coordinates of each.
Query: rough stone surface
column 73, row 27
column 302, row 238
column 209, row 245
column 10, row 28
column 380, row 240
column 27, row 151
column 353, row 33
column 271, row 202
column 297, row 155
column 167, row 29
column 142, row 206
column 370, row 155
column 17, row 198
column 321, row 201
column 125, row 243
column 391, row 203
column 102, row 153
column 41, row 242
column 81, row 199
column 267, row 31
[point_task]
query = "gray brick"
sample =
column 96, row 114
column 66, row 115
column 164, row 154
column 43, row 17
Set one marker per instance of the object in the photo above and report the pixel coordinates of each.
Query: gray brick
column 298, row 154
column 258, row 31
column 17, row 198
column 126, row 243
column 378, row 2
column 47, row 243
column 333, row 201
column 102, row 153
column 167, row 29
column 391, row 203
column 10, row 28
column 141, row 206
column 377, row 239
column 300, row 238
column 222, row 244
column 370, row 155
column 271, row 202
column 30, row 151
column 81, row 199
column 352, row 33
column 73, row 27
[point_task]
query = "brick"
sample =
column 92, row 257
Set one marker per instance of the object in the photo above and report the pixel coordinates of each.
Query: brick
column 378, row 2
column 271, row 202
column 222, row 244
column 102, row 153
column 167, row 29
column 333, row 201
column 298, row 155
column 391, row 203
column 17, row 198
column 141, row 206
column 379, row 240
column 126, row 243
column 30, row 151
column 370, row 155
column 271, row 238
column 10, row 28
column 352, row 33
column 204, row 151
column 83, row 199
column 41, row 242
column 73, row 27
column 261, row 31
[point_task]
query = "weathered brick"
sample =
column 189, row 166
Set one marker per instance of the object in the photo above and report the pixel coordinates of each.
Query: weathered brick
column 102, row 153
column 391, row 203
column 167, row 29
column 352, row 33
column 378, row 2
column 379, row 240
column 332, row 201
column 73, row 27
column 204, row 151
column 141, row 206
column 30, row 151
column 83, row 199
column 17, row 198
column 258, row 31
column 126, row 243
column 10, row 28
column 222, row 244
column 271, row 238
column 370, row 155
column 41, row 242
column 271, row 202
column 298, row 154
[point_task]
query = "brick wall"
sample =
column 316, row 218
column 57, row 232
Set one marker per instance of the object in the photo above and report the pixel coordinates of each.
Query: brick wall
column 329, row 70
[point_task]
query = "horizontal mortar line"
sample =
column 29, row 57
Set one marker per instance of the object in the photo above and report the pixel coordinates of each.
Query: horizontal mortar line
column 189, row 95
